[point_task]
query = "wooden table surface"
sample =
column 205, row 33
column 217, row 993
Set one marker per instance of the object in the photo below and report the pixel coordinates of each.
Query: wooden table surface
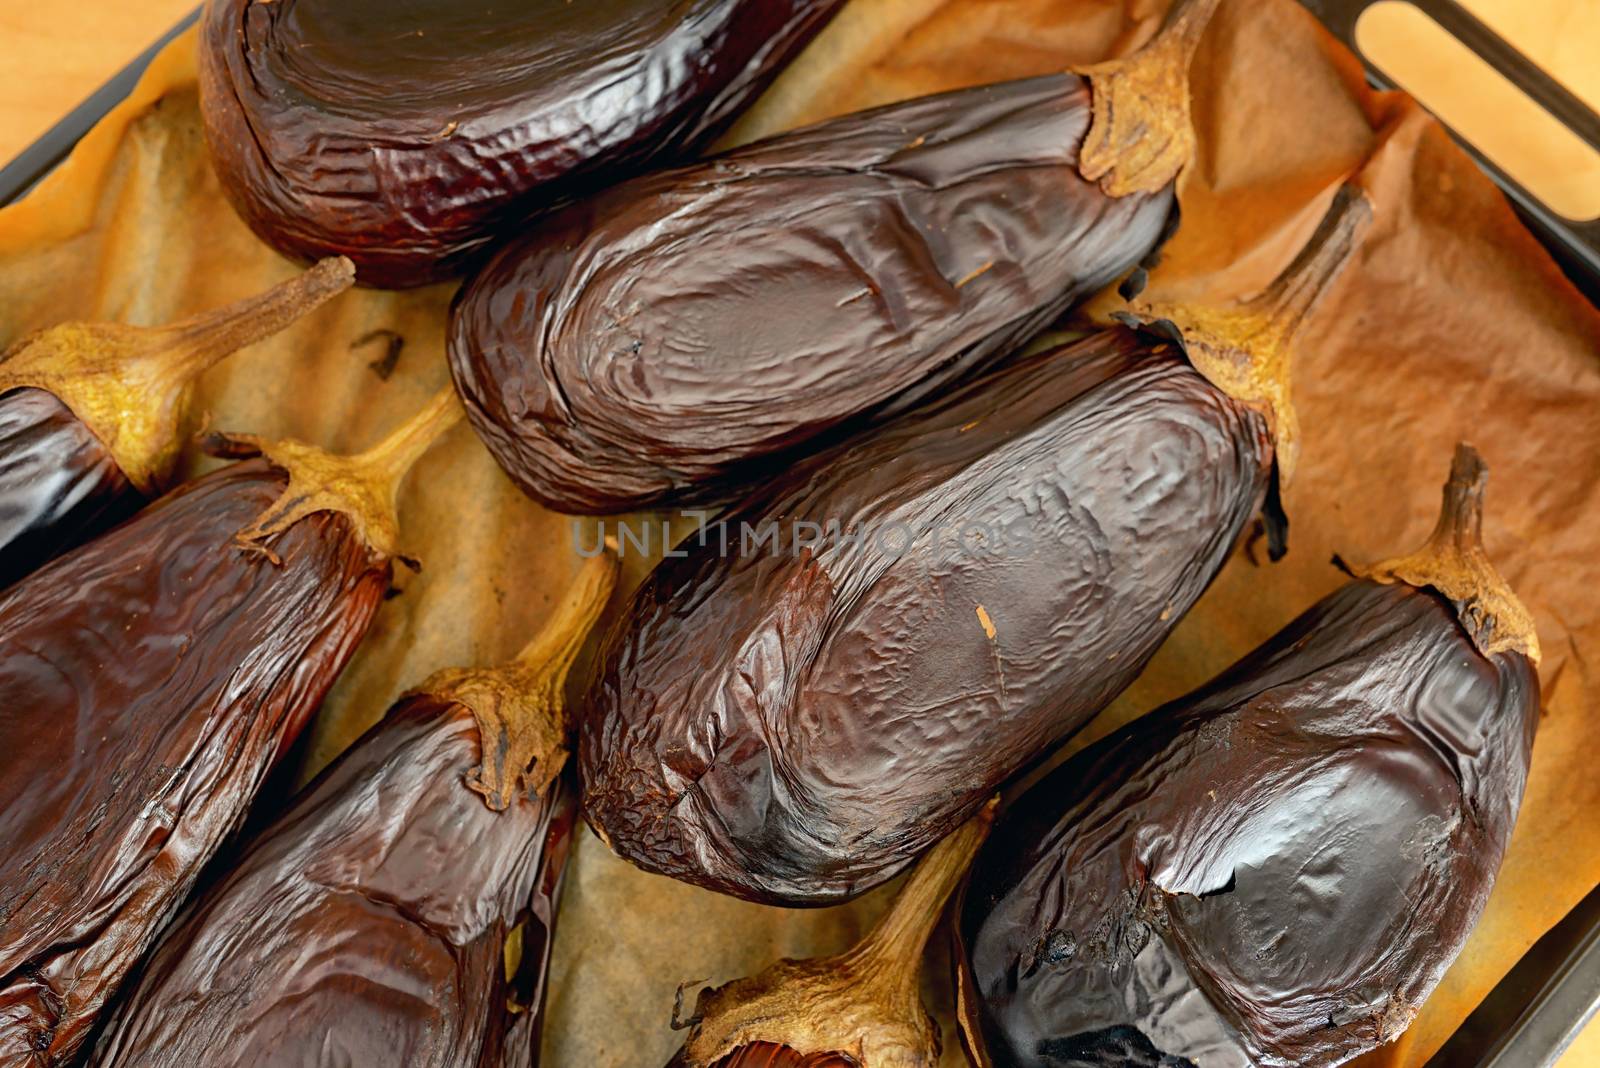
column 55, row 54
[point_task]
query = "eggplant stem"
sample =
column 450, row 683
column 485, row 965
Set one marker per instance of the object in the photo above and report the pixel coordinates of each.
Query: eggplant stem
column 1246, row 349
column 130, row 384
column 365, row 488
column 862, row 1004
column 184, row 350
column 1453, row 563
column 1140, row 135
column 518, row 706
column 398, row 453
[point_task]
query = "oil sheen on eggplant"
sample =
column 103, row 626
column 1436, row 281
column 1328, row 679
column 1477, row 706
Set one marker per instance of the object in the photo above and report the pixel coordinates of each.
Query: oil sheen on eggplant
column 406, row 133
column 794, row 719
column 664, row 341
column 58, row 484
column 90, row 413
column 401, row 911
column 367, row 926
column 1277, row 869
column 151, row 678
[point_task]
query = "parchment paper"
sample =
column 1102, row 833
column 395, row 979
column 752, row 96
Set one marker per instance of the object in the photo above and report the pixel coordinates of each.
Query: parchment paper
column 1453, row 324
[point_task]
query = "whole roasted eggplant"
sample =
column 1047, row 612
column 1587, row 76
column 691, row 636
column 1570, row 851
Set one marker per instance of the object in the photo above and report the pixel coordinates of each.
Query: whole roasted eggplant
column 89, row 413
column 392, row 916
column 1277, row 869
column 835, row 674
column 860, row 1009
column 406, row 133
column 653, row 344
column 150, row 679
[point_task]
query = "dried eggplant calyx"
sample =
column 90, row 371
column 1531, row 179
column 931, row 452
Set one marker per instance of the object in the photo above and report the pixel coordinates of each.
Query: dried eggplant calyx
column 519, row 707
column 1454, row 563
column 129, row 384
column 363, row 488
column 676, row 338
column 1246, row 349
column 1141, row 137
column 863, row 1005
column 414, row 929
column 408, row 136
column 1147, row 901
column 90, row 414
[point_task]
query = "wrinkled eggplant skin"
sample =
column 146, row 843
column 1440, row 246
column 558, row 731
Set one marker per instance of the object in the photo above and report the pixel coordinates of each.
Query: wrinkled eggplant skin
column 654, row 344
column 406, row 135
column 365, row 926
column 58, row 484
column 1275, row 870
column 150, row 678
column 770, row 1055
column 796, row 727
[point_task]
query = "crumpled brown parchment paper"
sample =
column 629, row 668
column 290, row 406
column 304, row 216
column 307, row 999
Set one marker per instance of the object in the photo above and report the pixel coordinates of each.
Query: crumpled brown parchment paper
column 1453, row 324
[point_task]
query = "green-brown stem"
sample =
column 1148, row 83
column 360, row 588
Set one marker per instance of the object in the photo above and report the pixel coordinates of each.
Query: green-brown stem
column 1453, row 563
column 518, row 706
column 862, row 1004
column 1140, row 134
column 365, row 487
column 1246, row 349
column 130, row 384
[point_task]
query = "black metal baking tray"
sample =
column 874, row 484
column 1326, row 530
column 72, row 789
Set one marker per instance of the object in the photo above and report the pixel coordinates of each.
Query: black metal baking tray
column 1575, row 245
column 1541, row 1005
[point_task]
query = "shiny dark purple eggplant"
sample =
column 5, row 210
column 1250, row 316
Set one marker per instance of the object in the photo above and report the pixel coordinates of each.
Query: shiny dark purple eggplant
column 407, row 134
column 1276, row 870
column 834, row 675
column 401, row 911
column 90, row 414
column 791, row 717
column 669, row 340
column 150, row 679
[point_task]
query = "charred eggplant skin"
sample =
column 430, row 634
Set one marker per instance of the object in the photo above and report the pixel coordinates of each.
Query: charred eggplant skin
column 367, row 925
column 58, row 483
column 916, row 617
column 406, row 135
column 150, row 679
column 1275, row 870
column 670, row 337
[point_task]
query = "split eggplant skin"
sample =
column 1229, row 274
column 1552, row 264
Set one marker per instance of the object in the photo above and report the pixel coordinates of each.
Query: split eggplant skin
column 365, row 926
column 1275, row 870
column 58, row 483
column 652, row 344
column 796, row 726
column 150, row 679
column 406, row 135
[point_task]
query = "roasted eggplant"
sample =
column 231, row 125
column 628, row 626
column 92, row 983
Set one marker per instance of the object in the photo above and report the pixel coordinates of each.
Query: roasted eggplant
column 667, row 341
column 832, row 676
column 406, row 134
column 151, row 678
column 1277, row 869
column 401, row 911
column 89, row 414
column 860, row 1009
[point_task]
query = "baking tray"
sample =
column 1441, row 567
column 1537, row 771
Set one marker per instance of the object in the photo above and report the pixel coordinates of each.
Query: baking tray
column 1535, row 1012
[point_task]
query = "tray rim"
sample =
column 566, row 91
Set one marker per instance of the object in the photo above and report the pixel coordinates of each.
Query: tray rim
column 1562, row 969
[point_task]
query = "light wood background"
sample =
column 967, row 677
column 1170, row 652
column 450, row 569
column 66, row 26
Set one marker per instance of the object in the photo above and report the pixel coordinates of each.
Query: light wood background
column 52, row 55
